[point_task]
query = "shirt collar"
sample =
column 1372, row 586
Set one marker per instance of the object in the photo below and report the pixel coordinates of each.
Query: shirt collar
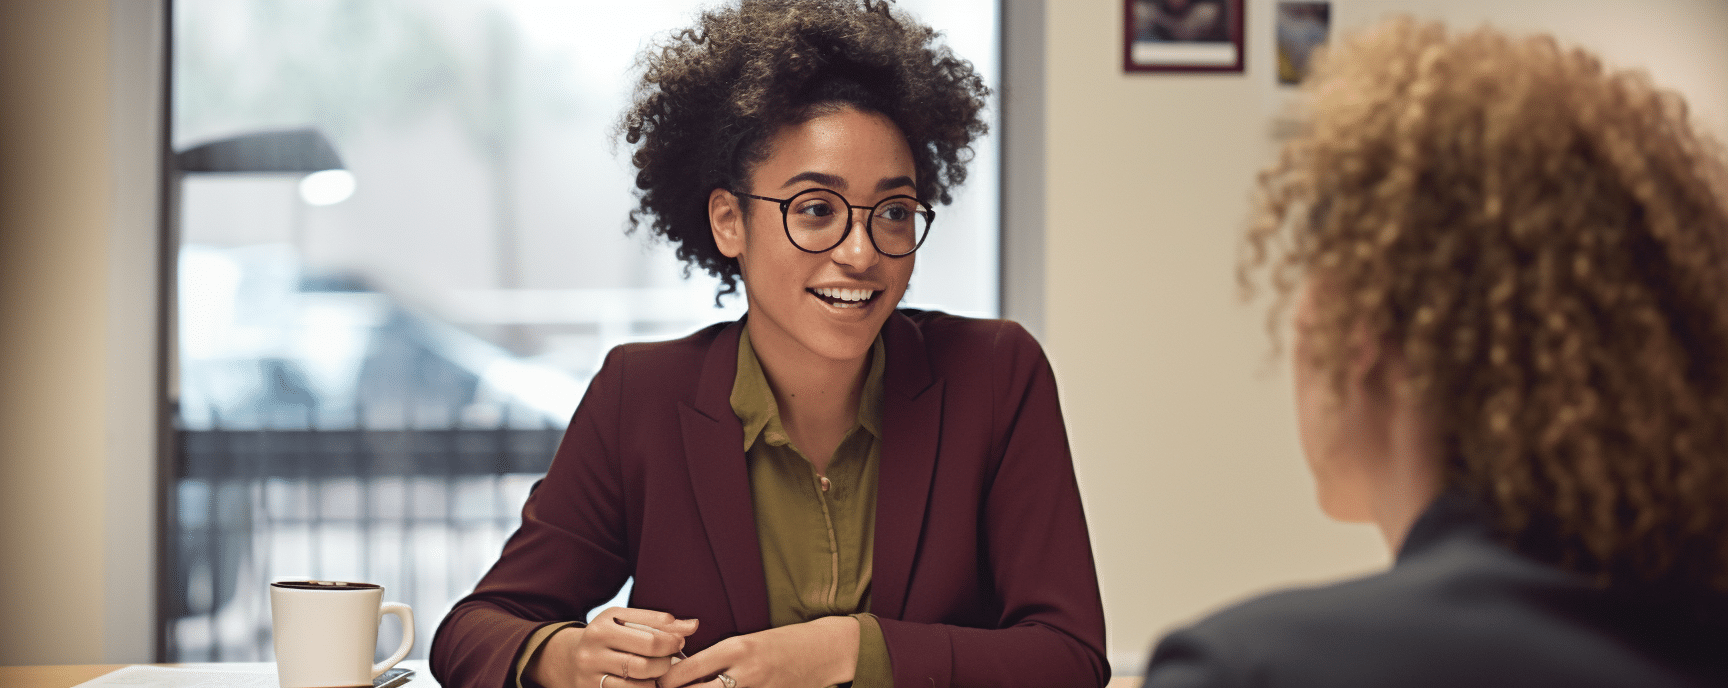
column 753, row 400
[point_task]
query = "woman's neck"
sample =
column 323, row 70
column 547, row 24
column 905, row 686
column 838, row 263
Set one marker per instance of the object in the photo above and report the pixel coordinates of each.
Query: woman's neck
column 1411, row 477
column 818, row 397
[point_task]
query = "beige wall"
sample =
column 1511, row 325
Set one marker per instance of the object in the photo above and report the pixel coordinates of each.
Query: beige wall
column 1182, row 431
column 76, row 349
column 53, row 275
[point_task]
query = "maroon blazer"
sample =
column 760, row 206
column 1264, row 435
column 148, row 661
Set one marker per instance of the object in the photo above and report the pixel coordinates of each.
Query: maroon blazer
column 983, row 573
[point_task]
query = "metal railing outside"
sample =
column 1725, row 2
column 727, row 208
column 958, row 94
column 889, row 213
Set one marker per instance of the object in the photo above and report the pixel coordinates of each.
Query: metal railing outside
column 421, row 512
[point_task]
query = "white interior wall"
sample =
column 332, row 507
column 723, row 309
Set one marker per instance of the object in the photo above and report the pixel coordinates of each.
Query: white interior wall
column 1182, row 427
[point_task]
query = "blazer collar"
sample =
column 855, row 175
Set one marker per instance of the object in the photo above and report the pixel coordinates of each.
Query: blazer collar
column 719, row 369
column 1452, row 514
column 912, row 421
column 713, row 441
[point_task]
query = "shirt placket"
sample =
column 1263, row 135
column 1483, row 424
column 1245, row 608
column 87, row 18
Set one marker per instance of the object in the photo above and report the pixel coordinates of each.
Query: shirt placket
column 823, row 487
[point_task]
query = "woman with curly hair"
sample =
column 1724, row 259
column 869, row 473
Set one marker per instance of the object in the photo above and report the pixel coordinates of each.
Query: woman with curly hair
column 1510, row 270
column 830, row 490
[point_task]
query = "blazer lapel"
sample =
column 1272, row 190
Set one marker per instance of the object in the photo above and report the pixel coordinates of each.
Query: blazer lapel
column 912, row 423
column 714, row 449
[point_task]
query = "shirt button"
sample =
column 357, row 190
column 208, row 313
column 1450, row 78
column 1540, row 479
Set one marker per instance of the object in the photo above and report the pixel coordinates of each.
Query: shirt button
column 824, row 482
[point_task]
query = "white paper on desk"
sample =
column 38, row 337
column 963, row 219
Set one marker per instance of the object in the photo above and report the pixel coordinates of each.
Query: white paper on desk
column 175, row 677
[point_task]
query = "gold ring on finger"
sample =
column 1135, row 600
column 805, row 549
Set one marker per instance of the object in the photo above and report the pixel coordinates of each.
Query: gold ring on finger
column 727, row 681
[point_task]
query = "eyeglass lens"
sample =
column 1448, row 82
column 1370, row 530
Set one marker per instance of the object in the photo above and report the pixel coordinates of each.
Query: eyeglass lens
column 817, row 220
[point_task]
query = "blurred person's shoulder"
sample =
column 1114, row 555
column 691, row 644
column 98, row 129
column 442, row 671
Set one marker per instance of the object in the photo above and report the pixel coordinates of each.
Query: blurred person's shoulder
column 1461, row 609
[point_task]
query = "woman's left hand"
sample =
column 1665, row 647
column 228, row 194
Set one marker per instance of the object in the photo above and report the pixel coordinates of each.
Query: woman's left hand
column 813, row 654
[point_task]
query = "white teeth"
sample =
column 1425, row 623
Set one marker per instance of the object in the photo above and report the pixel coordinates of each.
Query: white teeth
column 844, row 294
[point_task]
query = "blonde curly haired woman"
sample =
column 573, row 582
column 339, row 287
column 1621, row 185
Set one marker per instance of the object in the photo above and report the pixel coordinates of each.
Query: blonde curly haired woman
column 1509, row 267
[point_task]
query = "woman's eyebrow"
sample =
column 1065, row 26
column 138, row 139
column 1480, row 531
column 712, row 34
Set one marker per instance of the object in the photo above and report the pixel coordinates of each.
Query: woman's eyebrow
column 820, row 178
column 894, row 183
column 835, row 182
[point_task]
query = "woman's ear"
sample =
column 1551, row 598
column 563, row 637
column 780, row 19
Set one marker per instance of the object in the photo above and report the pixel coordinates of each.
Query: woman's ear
column 1364, row 360
column 726, row 220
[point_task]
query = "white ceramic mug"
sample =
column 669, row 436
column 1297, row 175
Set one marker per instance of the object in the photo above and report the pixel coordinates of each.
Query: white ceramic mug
column 326, row 632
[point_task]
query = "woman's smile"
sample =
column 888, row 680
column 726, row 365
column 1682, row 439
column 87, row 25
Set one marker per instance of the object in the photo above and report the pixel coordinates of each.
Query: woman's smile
column 839, row 297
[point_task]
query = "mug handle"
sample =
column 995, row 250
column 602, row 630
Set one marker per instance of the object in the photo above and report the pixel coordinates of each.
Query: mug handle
column 407, row 616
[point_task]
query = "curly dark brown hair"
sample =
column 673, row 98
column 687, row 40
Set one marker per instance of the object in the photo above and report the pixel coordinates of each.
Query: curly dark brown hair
column 711, row 96
column 1546, row 243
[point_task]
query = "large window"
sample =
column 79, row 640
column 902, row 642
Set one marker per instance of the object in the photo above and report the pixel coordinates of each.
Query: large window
column 373, row 366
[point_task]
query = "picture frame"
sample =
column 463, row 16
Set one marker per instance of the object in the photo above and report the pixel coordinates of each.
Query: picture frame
column 1302, row 27
column 1183, row 35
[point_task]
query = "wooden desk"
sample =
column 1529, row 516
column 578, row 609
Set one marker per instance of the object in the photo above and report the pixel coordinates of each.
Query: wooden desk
column 68, row 675
column 52, row 676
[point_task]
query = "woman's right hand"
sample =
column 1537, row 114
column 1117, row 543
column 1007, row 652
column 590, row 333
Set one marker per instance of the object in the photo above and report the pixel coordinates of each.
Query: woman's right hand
column 631, row 656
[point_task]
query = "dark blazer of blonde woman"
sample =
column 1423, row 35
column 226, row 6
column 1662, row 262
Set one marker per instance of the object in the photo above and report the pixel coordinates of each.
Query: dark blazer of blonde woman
column 1458, row 608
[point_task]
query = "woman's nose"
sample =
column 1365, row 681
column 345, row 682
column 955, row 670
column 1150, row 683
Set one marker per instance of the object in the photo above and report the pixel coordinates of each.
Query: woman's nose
column 856, row 250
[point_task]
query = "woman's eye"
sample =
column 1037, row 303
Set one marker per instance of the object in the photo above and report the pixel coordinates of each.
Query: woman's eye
column 816, row 209
column 894, row 213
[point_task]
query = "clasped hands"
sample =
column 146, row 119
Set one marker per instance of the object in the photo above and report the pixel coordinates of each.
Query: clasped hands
column 644, row 654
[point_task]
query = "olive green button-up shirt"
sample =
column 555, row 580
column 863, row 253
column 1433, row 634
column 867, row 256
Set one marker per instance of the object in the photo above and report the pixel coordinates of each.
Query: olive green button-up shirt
column 816, row 531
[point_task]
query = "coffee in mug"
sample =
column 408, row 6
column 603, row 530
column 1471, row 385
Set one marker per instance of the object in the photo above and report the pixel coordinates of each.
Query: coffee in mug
column 326, row 631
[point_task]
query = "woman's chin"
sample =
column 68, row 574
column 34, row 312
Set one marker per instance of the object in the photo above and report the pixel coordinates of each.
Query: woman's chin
column 842, row 346
column 1344, row 508
column 848, row 333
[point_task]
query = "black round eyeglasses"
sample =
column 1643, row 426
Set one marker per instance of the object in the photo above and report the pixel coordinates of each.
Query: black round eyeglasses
column 896, row 225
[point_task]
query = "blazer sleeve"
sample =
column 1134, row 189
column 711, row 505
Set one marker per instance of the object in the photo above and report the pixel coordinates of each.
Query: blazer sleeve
column 1035, row 547
column 569, row 555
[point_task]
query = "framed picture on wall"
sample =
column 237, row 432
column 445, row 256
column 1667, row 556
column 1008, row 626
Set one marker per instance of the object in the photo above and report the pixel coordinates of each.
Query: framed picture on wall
column 1302, row 27
column 1182, row 36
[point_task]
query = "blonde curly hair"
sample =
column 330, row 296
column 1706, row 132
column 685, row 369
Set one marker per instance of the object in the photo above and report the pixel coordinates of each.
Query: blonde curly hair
column 1545, row 242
